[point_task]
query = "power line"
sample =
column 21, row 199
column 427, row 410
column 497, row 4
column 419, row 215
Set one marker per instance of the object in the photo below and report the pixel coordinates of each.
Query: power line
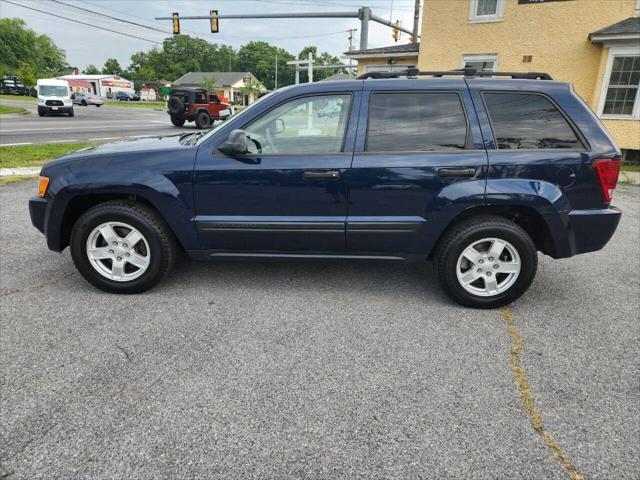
column 83, row 23
column 113, row 18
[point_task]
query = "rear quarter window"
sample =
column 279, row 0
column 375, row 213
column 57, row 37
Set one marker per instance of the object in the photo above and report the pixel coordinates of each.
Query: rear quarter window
column 415, row 121
column 528, row 121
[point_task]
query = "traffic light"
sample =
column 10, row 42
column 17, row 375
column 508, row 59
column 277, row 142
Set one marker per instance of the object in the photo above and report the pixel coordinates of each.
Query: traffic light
column 395, row 33
column 176, row 23
column 214, row 21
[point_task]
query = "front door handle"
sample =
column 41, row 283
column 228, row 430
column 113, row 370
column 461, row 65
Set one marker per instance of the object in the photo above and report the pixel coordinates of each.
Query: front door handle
column 457, row 172
column 327, row 175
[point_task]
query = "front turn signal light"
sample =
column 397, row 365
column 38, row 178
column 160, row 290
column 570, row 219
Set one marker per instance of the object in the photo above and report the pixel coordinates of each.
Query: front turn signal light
column 42, row 188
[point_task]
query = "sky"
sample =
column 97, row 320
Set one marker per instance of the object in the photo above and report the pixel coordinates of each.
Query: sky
column 86, row 45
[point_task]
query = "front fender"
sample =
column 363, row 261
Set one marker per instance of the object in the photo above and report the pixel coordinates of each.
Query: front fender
column 174, row 204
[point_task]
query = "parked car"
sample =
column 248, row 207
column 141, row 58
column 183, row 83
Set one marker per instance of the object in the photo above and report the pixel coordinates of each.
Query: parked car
column 85, row 99
column 127, row 97
column 11, row 85
column 477, row 174
column 197, row 105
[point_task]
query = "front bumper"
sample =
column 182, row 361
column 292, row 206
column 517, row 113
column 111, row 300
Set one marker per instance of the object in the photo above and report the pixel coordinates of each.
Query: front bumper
column 55, row 109
column 584, row 230
column 38, row 212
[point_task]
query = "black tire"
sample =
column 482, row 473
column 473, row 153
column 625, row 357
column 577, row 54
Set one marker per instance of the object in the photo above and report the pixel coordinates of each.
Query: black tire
column 98, row 104
column 42, row 112
column 203, row 120
column 177, row 121
column 71, row 113
column 83, row 103
column 162, row 244
column 175, row 106
column 460, row 236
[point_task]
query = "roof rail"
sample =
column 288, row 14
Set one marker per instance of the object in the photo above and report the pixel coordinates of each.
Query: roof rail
column 466, row 72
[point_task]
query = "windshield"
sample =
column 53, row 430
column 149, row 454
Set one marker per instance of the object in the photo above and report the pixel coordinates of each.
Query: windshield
column 213, row 131
column 52, row 90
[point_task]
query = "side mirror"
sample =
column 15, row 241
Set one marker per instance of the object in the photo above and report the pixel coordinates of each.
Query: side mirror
column 236, row 143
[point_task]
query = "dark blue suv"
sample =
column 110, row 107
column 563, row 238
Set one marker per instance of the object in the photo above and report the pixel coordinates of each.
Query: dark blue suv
column 475, row 172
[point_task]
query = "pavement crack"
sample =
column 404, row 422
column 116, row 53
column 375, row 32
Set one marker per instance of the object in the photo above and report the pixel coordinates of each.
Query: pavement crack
column 528, row 402
column 35, row 287
column 126, row 354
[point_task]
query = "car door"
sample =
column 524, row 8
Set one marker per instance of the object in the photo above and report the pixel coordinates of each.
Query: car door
column 289, row 194
column 419, row 157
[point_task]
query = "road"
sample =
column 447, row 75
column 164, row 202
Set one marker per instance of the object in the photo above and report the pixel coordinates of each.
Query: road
column 315, row 370
column 89, row 123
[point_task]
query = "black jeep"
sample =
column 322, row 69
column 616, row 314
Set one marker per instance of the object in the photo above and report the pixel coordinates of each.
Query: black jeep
column 196, row 104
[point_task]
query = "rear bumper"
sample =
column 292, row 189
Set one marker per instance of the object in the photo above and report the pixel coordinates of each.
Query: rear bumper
column 586, row 230
column 38, row 212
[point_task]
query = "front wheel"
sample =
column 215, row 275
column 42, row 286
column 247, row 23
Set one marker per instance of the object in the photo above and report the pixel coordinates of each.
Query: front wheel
column 486, row 262
column 71, row 113
column 203, row 120
column 122, row 247
column 83, row 103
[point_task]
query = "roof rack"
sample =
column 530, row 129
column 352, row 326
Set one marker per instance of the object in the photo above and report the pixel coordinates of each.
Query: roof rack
column 466, row 72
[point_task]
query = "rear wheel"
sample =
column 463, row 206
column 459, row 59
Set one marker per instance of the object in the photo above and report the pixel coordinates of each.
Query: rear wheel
column 177, row 121
column 486, row 262
column 203, row 120
column 122, row 247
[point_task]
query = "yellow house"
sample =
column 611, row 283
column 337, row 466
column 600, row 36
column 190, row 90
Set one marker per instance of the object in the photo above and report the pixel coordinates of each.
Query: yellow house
column 386, row 59
column 593, row 44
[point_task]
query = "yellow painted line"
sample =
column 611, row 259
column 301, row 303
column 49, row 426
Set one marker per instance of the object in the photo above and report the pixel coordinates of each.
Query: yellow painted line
column 527, row 398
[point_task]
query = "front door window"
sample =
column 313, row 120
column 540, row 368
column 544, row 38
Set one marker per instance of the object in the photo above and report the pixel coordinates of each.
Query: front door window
column 308, row 125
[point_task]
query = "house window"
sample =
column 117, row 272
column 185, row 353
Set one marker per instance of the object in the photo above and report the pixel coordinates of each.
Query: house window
column 619, row 97
column 486, row 10
column 480, row 62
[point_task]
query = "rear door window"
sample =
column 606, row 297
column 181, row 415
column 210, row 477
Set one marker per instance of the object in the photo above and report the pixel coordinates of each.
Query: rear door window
column 416, row 121
column 528, row 121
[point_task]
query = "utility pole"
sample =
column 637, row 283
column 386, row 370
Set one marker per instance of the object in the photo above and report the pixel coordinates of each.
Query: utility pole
column 416, row 21
column 276, row 70
column 351, row 32
column 310, row 67
column 363, row 14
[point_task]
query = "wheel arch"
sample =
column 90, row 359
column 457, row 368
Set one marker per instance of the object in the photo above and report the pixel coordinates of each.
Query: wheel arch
column 79, row 204
column 528, row 218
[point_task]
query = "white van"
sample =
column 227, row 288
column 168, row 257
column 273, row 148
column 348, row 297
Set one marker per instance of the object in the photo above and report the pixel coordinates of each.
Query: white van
column 54, row 96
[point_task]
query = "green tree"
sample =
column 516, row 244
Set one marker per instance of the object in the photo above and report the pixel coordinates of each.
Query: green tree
column 259, row 58
column 91, row 69
column 209, row 84
column 251, row 88
column 112, row 67
column 19, row 44
column 27, row 76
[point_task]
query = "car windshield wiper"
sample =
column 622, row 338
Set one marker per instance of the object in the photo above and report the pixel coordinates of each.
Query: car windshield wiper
column 193, row 136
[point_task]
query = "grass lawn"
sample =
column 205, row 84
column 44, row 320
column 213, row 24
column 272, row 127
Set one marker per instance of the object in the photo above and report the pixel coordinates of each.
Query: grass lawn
column 151, row 105
column 630, row 167
column 35, row 155
column 6, row 109
column 16, row 178
column 18, row 97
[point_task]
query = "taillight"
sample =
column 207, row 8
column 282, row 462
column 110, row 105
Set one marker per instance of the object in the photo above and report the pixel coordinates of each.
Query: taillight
column 607, row 170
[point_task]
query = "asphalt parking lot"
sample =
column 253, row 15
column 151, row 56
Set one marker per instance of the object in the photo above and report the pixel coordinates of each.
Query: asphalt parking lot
column 315, row 369
column 90, row 123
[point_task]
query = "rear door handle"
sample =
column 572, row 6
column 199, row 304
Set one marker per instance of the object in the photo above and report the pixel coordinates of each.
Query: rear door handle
column 327, row 175
column 457, row 172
